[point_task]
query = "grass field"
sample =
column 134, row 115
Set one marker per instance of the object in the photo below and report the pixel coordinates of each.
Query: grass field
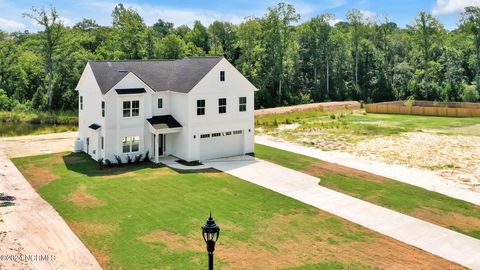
column 430, row 206
column 352, row 127
column 149, row 217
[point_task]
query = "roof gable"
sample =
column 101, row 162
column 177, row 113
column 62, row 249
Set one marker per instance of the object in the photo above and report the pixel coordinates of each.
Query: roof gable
column 161, row 75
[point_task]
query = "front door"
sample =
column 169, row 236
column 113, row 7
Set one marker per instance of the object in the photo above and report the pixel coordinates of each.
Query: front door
column 161, row 143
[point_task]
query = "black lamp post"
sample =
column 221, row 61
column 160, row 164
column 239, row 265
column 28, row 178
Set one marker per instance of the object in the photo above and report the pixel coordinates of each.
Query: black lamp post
column 210, row 231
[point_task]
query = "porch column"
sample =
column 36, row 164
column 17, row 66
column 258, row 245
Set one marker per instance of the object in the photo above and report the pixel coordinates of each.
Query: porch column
column 155, row 146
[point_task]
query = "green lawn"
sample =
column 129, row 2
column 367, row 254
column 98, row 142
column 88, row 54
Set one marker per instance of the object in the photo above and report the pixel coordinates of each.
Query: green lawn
column 433, row 207
column 149, row 217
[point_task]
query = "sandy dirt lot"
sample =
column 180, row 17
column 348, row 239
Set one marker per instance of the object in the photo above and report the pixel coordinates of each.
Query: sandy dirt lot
column 32, row 234
column 24, row 146
column 453, row 157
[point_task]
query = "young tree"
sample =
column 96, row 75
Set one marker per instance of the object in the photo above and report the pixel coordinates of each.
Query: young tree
column 51, row 38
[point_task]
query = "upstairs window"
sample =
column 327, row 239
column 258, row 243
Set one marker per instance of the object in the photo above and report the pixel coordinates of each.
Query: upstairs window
column 242, row 104
column 103, row 108
column 222, row 76
column 222, row 105
column 127, row 109
column 201, row 107
column 135, row 108
column 160, row 103
column 81, row 102
column 131, row 108
column 103, row 142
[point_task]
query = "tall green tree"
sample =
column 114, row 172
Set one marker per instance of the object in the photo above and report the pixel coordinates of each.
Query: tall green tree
column 51, row 37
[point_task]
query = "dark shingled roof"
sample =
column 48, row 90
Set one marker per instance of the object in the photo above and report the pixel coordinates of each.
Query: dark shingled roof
column 130, row 91
column 94, row 126
column 164, row 121
column 160, row 75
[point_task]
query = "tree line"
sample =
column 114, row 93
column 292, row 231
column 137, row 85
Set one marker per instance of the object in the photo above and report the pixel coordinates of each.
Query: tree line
column 290, row 62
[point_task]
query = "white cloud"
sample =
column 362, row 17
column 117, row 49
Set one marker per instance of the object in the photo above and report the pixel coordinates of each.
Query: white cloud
column 332, row 22
column 10, row 25
column 66, row 21
column 368, row 14
column 151, row 13
column 453, row 6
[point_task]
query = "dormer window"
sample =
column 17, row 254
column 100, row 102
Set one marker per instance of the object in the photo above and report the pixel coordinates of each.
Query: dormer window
column 222, row 76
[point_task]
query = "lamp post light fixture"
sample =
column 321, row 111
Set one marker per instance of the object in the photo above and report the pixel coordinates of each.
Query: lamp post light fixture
column 210, row 231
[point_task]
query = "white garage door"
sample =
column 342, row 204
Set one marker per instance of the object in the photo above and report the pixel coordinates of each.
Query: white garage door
column 221, row 144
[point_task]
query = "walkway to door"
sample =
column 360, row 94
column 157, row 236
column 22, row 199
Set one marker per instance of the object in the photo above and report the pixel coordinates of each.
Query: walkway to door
column 437, row 240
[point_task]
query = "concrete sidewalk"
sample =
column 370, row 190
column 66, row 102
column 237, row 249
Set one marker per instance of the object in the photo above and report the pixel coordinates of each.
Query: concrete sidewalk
column 437, row 240
column 420, row 178
column 33, row 227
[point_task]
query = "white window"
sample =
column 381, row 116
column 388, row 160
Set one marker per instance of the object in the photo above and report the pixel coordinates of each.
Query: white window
column 130, row 144
column 243, row 104
column 203, row 136
column 103, row 142
column 218, row 134
column 160, row 103
column 228, row 133
column 81, row 102
column 103, row 108
column 238, row 132
column 201, row 107
column 222, row 105
column 222, row 76
column 131, row 108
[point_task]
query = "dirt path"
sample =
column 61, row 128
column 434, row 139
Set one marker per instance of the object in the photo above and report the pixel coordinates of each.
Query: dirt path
column 323, row 106
column 32, row 234
column 23, row 146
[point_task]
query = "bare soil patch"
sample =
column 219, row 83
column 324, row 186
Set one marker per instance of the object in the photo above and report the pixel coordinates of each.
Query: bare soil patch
column 85, row 228
column 38, row 176
column 164, row 172
column 466, row 223
column 325, row 167
column 83, row 199
column 102, row 257
column 278, row 247
column 173, row 241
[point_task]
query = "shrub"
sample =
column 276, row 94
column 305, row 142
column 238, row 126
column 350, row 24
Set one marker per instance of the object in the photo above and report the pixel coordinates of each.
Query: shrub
column 333, row 116
column 275, row 122
column 146, row 158
column 100, row 163
column 138, row 159
column 108, row 163
column 287, row 121
column 119, row 160
column 470, row 94
column 129, row 160
column 409, row 102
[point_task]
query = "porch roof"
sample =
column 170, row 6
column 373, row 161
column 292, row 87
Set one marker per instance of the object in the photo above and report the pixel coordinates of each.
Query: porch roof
column 94, row 126
column 164, row 123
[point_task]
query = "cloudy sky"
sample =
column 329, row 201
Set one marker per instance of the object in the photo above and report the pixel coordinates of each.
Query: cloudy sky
column 186, row 11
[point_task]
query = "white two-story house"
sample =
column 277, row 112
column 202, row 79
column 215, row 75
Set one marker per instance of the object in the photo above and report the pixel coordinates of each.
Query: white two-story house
column 196, row 108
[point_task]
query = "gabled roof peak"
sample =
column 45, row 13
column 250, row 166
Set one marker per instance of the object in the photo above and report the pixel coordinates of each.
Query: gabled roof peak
column 179, row 75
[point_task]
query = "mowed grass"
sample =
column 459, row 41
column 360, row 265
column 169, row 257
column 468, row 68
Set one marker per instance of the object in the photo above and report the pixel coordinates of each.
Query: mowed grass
column 149, row 217
column 430, row 206
column 359, row 124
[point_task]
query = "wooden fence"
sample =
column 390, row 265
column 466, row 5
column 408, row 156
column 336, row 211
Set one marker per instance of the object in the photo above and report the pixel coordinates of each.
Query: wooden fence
column 451, row 109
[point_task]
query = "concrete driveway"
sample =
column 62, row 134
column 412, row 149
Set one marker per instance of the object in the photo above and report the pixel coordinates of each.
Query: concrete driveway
column 437, row 240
